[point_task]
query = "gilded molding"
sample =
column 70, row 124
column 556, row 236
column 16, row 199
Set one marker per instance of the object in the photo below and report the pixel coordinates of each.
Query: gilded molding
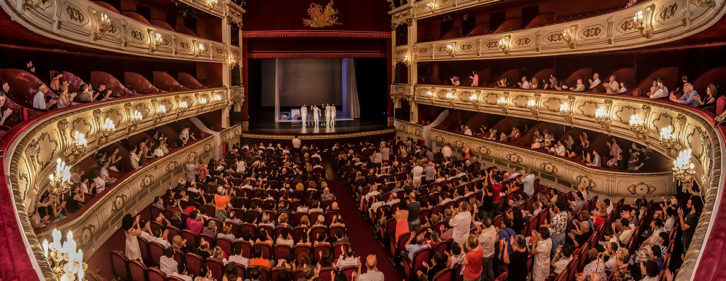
column 79, row 22
column 665, row 21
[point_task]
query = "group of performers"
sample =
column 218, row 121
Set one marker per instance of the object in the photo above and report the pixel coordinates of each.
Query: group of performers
column 315, row 111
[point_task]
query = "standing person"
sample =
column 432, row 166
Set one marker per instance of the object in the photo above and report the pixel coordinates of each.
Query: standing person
column 517, row 261
column 542, row 250
column 304, row 115
column 461, row 221
column 132, row 231
column 472, row 259
column 296, row 143
column 316, row 116
column 558, row 224
column 372, row 273
column 487, row 239
column 334, row 113
column 328, row 115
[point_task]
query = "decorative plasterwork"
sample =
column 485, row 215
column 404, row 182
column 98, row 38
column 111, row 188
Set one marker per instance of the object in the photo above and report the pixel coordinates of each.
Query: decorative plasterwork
column 671, row 20
column 601, row 181
column 215, row 8
column 80, row 22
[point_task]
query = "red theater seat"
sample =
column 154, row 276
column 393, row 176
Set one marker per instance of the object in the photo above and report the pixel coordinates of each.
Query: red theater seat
column 162, row 24
column 119, row 90
column 23, row 85
column 668, row 74
column 136, row 16
column 139, row 83
column 137, row 270
column 541, row 19
column 119, row 265
column 583, row 73
column 187, row 80
column 509, row 25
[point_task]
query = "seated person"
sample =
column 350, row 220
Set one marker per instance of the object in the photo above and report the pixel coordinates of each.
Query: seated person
column 595, row 81
column 524, row 84
column 612, row 87
column 537, row 140
column 689, row 97
column 579, row 86
column 4, row 110
column 39, row 99
column 658, row 90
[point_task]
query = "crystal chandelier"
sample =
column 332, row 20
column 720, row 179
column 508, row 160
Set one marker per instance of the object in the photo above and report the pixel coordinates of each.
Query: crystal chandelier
column 684, row 171
column 637, row 125
column 60, row 179
column 65, row 260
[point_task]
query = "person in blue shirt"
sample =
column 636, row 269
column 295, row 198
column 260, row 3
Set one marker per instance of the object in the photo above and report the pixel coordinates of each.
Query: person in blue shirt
column 690, row 96
column 506, row 232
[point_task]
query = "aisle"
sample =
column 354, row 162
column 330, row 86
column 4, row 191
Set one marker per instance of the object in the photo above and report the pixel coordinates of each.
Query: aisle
column 359, row 232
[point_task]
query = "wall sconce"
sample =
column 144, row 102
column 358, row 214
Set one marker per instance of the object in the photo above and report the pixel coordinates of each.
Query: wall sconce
column 137, row 116
column 474, row 98
column 643, row 21
column 533, row 107
column 568, row 35
column 566, row 110
column 200, row 48
column 232, row 60
column 203, row 100
column 406, row 59
column 430, row 93
column 183, row 104
column 79, row 143
column 65, row 260
column 211, row 3
column 450, row 96
column 602, row 117
column 217, row 97
column 531, row 103
column 156, row 39
column 505, row 44
column 432, row 5
column 450, row 48
column 108, row 127
column 161, row 109
column 669, row 138
column 104, row 26
column 637, row 125
column 60, row 180
column 502, row 101
column 684, row 171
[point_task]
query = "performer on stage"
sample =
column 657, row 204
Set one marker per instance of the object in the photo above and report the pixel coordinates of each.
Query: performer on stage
column 334, row 113
column 328, row 115
column 316, row 115
column 304, row 115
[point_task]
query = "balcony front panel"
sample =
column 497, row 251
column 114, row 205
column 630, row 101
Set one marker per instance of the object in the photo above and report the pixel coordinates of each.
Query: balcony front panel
column 32, row 155
column 81, row 22
column 212, row 7
column 566, row 172
column 663, row 21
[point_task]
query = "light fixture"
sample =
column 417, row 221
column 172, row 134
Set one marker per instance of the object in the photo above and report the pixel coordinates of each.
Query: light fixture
column 60, row 180
column 108, row 126
column 104, row 26
column 200, row 47
column 217, row 97
column 66, row 261
column 684, row 171
column 637, row 125
column 450, row 48
column 211, row 3
column 432, row 5
column 79, row 144
column 643, row 20
column 564, row 107
column 232, row 59
column 669, row 138
column 156, row 39
column 505, row 44
column 602, row 117
column 566, row 110
column 502, row 101
column 137, row 116
column 183, row 104
column 203, row 100
column 531, row 103
column 430, row 93
column 161, row 109
column 568, row 35
column 450, row 95
column 473, row 97
column 406, row 59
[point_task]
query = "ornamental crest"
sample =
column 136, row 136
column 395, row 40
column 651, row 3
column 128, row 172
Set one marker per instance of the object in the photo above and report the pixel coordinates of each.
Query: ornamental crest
column 320, row 17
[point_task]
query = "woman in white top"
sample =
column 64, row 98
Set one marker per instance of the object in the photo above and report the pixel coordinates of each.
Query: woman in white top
column 542, row 249
column 134, row 158
column 132, row 231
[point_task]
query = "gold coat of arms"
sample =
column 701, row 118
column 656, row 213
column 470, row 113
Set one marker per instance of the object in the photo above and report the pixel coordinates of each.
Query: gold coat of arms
column 319, row 17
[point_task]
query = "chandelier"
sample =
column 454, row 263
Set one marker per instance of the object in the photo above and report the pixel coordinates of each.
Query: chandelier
column 684, row 171
column 137, row 116
column 60, row 180
column 65, row 260
column 79, row 143
column 637, row 125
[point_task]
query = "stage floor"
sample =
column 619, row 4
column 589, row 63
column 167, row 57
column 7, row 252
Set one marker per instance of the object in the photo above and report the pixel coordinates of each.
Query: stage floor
column 296, row 128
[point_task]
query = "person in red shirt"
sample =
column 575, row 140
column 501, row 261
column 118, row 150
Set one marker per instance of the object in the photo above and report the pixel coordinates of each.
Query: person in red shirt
column 472, row 260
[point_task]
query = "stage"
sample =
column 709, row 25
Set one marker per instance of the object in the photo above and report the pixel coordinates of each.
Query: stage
column 270, row 130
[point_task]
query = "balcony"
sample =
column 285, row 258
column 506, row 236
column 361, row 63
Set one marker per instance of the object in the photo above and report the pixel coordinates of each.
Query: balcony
column 86, row 24
column 649, row 23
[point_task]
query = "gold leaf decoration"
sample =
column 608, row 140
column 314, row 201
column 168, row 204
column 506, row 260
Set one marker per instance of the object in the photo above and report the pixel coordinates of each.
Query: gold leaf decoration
column 320, row 17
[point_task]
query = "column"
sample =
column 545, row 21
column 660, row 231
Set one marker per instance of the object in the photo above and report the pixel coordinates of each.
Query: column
column 412, row 69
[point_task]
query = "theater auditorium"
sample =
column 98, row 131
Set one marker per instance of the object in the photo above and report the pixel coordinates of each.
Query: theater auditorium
column 362, row 140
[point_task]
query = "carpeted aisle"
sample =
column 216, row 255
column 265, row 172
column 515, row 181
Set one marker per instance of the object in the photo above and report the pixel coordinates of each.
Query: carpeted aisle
column 359, row 232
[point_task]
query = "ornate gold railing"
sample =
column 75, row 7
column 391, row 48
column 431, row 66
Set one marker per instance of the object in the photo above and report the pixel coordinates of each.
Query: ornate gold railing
column 662, row 21
column 83, row 23
column 429, row 8
column 212, row 7
column 33, row 154
column 563, row 171
column 692, row 129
